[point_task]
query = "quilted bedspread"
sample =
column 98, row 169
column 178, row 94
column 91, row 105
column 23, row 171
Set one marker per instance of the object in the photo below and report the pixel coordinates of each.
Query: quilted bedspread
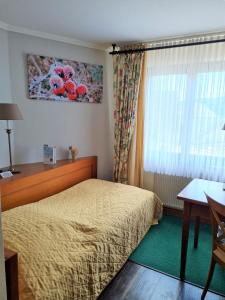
column 70, row 245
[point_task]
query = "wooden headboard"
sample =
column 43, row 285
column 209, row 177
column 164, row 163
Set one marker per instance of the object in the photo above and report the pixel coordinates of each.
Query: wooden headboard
column 37, row 181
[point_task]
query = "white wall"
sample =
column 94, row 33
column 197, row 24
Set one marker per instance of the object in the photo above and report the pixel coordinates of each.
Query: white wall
column 5, row 94
column 60, row 124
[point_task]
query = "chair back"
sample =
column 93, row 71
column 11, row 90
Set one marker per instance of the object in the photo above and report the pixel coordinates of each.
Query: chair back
column 217, row 212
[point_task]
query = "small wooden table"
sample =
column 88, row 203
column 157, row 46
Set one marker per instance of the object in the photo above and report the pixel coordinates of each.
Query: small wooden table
column 195, row 205
column 11, row 271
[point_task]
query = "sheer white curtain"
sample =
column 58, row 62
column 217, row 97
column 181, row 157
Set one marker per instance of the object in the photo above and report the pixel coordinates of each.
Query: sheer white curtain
column 185, row 112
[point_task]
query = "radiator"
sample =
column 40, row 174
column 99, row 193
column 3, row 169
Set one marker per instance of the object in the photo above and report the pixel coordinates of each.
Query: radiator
column 166, row 187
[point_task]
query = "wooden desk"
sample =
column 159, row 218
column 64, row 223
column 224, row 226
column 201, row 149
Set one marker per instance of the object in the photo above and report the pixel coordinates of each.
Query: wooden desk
column 195, row 205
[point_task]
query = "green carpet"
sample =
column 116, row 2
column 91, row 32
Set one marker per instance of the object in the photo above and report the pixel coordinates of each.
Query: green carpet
column 160, row 249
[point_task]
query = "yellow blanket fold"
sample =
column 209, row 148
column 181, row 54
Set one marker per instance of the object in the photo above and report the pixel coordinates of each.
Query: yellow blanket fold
column 70, row 245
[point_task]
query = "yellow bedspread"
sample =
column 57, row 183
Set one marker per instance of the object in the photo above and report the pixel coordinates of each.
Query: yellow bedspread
column 72, row 244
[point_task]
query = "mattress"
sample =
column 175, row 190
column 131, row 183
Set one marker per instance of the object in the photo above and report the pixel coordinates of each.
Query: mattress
column 70, row 245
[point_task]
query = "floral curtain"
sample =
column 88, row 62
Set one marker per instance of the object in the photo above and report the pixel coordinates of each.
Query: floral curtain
column 127, row 70
column 136, row 152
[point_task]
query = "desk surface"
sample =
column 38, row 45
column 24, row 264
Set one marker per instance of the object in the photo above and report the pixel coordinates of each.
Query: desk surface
column 195, row 192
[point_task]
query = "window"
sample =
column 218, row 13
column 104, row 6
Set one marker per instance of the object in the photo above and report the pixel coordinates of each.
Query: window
column 185, row 112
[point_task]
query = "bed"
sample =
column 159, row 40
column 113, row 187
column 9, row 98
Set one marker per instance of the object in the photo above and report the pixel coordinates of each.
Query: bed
column 72, row 243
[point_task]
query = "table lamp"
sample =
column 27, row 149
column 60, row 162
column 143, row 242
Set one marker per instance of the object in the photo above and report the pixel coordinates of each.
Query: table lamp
column 10, row 112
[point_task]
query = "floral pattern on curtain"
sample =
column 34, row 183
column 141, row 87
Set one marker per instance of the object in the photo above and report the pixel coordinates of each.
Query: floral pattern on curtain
column 127, row 71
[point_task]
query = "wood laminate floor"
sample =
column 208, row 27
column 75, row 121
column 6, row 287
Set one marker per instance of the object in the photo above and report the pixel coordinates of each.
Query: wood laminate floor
column 135, row 282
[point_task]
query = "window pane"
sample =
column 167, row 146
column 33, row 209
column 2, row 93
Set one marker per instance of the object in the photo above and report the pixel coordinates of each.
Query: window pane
column 167, row 101
column 185, row 112
column 209, row 112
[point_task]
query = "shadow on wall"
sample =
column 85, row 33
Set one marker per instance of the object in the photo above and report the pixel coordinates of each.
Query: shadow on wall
column 26, row 154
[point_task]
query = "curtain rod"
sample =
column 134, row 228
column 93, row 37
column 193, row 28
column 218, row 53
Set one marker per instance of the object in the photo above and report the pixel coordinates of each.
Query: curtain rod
column 114, row 52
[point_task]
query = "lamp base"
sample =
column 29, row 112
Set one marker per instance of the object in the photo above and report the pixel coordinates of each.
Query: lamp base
column 12, row 170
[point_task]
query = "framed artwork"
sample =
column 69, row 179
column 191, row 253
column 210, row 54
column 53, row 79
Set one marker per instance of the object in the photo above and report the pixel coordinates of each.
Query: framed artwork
column 51, row 78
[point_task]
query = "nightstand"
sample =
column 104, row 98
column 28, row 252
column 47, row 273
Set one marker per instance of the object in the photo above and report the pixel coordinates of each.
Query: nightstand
column 11, row 270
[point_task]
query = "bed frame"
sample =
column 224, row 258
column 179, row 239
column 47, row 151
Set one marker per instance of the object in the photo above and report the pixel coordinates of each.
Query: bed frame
column 37, row 181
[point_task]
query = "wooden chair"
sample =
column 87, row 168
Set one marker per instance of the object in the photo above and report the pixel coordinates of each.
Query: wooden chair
column 217, row 212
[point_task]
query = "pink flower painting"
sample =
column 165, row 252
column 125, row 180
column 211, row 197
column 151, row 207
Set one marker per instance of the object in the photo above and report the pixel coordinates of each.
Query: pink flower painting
column 56, row 79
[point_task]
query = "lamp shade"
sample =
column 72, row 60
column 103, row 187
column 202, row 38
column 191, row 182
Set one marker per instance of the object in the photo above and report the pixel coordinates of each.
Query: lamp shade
column 10, row 111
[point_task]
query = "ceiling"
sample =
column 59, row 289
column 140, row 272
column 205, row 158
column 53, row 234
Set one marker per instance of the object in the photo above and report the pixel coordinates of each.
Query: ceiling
column 107, row 21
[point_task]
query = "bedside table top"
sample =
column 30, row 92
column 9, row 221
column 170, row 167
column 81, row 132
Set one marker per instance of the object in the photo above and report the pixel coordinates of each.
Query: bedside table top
column 9, row 253
column 30, row 169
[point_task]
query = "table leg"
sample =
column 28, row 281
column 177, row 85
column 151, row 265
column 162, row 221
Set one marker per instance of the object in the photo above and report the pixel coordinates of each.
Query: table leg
column 197, row 224
column 11, row 271
column 185, row 234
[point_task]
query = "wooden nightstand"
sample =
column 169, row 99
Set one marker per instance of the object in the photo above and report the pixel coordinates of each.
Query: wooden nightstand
column 11, row 270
